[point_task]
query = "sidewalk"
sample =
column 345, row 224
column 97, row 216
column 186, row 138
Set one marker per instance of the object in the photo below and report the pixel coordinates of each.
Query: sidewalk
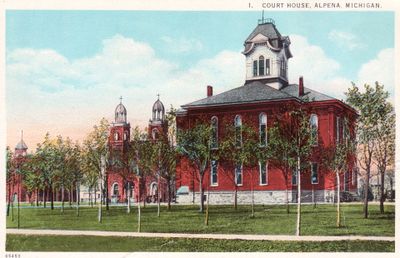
column 203, row 236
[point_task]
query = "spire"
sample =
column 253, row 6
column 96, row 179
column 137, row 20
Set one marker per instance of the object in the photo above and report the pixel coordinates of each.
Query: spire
column 21, row 145
column 120, row 100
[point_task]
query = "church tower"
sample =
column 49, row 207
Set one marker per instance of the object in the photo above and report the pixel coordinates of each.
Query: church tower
column 21, row 148
column 267, row 53
column 158, row 126
column 120, row 129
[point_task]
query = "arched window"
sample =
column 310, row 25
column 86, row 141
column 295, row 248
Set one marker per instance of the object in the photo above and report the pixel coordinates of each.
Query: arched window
column 261, row 65
column 255, row 68
column 263, row 129
column 154, row 133
column 314, row 173
column 115, row 189
column 314, row 128
column 238, row 131
column 263, row 172
column 116, row 136
column 125, row 136
column 214, row 132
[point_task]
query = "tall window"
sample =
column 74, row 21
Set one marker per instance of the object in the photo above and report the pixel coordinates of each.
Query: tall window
column 214, row 172
column 154, row 133
column 267, row 67
column 239, row 174
column 125, row 136
column 283, row 68
column 115, row 189
column 261, row 65
column 354, row 176
column 314, row 173
column 214, row 132
column 314, row 128
column 263, row 129
column 345, row 130
column 255, row 68
column 294, row 177
column 116, row 136
column 263, row 172
column 238, row 131
column 338, row 121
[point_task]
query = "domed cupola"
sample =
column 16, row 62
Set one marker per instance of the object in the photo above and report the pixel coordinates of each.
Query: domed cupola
column 21, row 148
column 120, row 113
column 158, row 110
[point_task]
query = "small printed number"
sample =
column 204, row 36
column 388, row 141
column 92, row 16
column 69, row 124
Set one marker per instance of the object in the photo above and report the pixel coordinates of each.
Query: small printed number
column 13, row 256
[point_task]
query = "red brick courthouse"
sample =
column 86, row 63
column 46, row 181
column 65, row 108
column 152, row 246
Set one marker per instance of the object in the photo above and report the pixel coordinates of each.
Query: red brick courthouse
column 257, row 103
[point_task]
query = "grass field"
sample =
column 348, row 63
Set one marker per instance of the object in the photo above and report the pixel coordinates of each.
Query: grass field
column 130, row 244
column 271, row 219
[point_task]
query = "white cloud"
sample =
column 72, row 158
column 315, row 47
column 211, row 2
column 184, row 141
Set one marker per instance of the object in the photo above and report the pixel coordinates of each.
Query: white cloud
column 345, row 39
column 380, row 69
column 182, row 45
column 320, row 72
column 48, row 92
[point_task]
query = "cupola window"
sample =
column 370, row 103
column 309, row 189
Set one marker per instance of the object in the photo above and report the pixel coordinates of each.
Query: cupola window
column 255, row 68
column 261, row 65
column 267, row 67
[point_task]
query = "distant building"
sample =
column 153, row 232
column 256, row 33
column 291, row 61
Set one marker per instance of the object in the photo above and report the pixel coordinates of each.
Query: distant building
column 257, row 103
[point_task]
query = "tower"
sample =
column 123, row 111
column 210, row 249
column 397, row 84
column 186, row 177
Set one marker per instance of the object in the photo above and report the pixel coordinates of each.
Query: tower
column 267, row 53
column 120, row 129
column 21, row 148
column 158, row 126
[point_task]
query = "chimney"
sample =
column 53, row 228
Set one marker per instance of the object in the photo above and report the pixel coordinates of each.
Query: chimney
column 301, row 86
column 209, row 91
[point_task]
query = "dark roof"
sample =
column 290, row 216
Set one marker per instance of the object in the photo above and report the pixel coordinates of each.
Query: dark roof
column 312, row 95
column 267, row 29
column 251, row 92
column 21, row 145
column 258, row 92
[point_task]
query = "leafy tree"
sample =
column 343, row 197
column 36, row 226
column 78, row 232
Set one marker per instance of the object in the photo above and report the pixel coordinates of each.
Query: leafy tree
column 374, row 114
column 385, row 144
column 239, row 148
column 9, row 176
column 337, row 158
column 195, row 144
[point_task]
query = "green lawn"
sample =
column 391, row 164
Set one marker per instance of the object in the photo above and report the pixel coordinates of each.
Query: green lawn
column 271, row 219
column 130, row 244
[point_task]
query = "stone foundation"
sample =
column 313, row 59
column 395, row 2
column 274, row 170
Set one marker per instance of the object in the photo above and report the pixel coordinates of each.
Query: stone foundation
column 260, row 197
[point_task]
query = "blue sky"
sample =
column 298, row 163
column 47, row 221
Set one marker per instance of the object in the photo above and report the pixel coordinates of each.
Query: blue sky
column 82, row 61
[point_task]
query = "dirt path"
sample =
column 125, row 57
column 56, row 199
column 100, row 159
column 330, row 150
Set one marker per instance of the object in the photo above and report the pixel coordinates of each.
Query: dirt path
column 204, row 236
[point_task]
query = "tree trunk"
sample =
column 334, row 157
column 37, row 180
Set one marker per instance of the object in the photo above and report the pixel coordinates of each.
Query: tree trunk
column 77, row 200
column 366, row 188
column 287, row 198
column 128, row 194
column 298, row 198
column 235, row 198
column 52, row 197
column 9, row 199
column 106, row 197
column 138, row 204
column 201, row 194
column 95, row 195
column 208, row 200
column 62, row 199
column 252, row 200
column 382, row 199
column 338, row 199
column 169, row 195
column 193, row 192
column 313, row 197
column 44, row 197
column 19, row 199
column 158, row 197
column 37, row 197
column 71, row 196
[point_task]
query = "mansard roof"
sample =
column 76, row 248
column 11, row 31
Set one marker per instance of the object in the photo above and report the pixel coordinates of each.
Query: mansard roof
column 258, row 92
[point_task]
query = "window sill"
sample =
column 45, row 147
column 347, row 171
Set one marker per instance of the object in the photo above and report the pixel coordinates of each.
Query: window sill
column 214, row 185
column 263, row 184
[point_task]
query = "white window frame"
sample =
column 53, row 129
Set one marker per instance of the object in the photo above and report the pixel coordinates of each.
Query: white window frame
column 241, row 173
column 266, row 173
column 260, row 116
column 311, row 174
column 113, row 187
column 212, row 183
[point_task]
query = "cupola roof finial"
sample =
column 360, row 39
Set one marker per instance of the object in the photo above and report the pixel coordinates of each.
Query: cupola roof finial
column 120, row 100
